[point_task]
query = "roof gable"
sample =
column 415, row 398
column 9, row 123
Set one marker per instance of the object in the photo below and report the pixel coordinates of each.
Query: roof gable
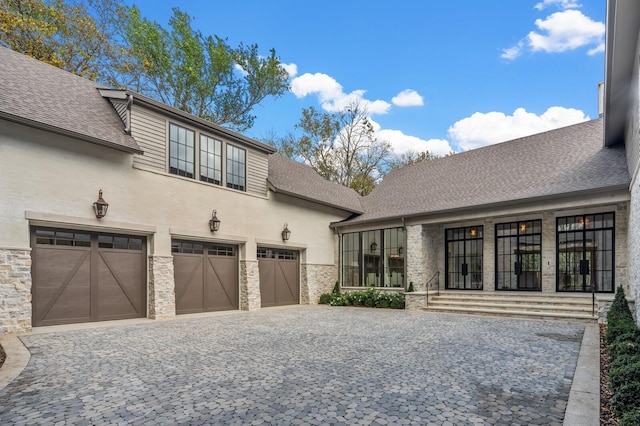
column 43, row 96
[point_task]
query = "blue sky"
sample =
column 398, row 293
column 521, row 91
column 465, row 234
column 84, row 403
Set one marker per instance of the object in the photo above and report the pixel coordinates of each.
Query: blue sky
column 434, row 75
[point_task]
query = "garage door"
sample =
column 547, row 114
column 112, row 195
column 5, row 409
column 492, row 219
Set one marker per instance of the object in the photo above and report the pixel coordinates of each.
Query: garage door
column 279, row 277
column 81, row 276
column 206, row 276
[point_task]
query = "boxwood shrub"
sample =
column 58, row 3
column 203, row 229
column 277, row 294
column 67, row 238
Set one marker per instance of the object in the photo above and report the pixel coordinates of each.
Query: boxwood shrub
column 623, row 342
column 370, row 298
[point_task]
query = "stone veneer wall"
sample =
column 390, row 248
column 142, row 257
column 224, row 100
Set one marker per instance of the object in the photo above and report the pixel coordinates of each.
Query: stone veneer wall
column 633, row 247
column 15, row 290
column 249, row 285
column 621, row 253
column 162, row 297
column 415, row 257
column 315, row 280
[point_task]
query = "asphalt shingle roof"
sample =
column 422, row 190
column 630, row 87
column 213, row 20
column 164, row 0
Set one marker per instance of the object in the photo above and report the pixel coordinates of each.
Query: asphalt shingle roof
column 43, row 96
column 562, row 161
column 301, row 181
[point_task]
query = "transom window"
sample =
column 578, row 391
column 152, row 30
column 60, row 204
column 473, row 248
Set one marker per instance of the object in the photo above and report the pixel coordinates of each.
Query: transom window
column 181, row 150
column 210, row 160
column 236, row 161
column 373, row 258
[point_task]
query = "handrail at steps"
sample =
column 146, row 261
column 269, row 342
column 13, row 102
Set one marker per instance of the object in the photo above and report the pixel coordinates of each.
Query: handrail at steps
column 436, row 275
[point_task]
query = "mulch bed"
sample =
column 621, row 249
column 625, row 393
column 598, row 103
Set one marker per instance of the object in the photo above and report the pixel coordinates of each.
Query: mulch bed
column 607, row 417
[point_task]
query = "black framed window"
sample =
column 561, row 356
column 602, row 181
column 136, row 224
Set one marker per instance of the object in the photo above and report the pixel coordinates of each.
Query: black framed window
column 373, row 258
column 236, row 167
column 463, row 265
column 519, row 255
column 210, row 160
column 585, row 253
column 181, row 150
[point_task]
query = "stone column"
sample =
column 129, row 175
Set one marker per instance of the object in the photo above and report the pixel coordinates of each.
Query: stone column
column 316, row 279
column 15, row 290
column 249, row 285
column 162, row 295
column 621, row 250
column 415, row 257
column 549, row 232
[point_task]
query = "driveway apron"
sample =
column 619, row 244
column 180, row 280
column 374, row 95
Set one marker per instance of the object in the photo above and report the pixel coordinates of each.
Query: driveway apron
column 300, row 365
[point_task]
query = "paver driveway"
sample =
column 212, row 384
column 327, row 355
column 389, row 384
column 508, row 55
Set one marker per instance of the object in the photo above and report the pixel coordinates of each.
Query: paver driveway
column 300, row 365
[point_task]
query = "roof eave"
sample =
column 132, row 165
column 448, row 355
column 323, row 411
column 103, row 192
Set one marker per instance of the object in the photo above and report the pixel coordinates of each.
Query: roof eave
column 175, row 112
column 69, row 133
column 277, row 190
column 509, row 203
column 623, row 19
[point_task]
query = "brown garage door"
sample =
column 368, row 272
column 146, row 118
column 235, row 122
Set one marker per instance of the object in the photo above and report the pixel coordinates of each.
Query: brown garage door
column 279, row 277
column 206, row 276
column 81, row 276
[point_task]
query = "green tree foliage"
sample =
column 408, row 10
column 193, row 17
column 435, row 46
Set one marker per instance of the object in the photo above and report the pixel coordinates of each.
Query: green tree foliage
column 79, row 36
column 200, row 74
column 341, row 146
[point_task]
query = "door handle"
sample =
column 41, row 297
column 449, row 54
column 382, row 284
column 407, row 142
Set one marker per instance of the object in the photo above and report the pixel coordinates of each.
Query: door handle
column 517, row 267
column 584, row 267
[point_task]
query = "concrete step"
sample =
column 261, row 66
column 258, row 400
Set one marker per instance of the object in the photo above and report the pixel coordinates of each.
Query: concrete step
column 513, row 313
column 520, row 305
column 526, row 305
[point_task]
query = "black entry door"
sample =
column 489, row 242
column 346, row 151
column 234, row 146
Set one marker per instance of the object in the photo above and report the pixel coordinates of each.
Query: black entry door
column 585, row 253
column 518, row 255
column 464, row 258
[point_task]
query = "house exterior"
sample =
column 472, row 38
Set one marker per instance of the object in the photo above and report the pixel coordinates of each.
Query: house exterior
column 554, row 213
column 622, row 116
column 163, row 173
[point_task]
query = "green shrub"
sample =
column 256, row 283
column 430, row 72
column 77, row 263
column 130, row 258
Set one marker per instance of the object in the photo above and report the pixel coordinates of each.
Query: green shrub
column 624, row 374
column 325, row 298
column 397, row 301
column 630, row 418
column 626, row 356
column 410, row 289
column 336, row 288
column 626, row 397
column 339, row 300
column 383, row 302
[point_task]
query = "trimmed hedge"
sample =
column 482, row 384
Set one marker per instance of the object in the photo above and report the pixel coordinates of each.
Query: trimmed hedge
column 370, row 298
column 623, row 342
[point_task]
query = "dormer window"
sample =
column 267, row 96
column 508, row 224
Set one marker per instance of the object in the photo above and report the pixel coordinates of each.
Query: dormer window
column 181, row 150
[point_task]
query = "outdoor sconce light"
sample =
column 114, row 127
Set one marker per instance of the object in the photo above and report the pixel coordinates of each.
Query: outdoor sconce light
column 373, row 246
column 523, row 227
column 214, row 223
column 400, row 250
column 473, row 232
column 286, row 233
column 100, row 206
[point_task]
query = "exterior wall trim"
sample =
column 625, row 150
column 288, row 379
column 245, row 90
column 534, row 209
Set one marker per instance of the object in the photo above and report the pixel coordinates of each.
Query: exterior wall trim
column 58, row 220
column 279, row 244
column 207, row 235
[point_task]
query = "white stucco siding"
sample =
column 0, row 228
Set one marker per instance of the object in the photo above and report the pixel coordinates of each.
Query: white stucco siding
column 632, row 145
column 59, row 178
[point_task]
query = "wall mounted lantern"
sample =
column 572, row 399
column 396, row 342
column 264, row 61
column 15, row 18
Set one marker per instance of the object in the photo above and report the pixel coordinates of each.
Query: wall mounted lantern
column 400, row 250
column 286, row 233
column 100, row 206
column 473, row 232
column 214, row 223
column 523, row 227
column 373, row 246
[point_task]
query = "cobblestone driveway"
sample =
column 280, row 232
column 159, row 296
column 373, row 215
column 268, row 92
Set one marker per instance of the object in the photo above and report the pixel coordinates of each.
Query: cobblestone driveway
column 300, row 365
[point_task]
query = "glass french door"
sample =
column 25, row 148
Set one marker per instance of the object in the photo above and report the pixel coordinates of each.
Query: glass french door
column 585, row 253
column 463, row 267
column 518, row 256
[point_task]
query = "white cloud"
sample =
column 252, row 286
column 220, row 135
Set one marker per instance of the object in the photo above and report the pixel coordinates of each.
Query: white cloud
column 568, row 30
column 291, row 69
column 562, row 4
column 481, row 129
column 331, row 95
column 407, row 98
column 402, row 143
column 513, row 52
